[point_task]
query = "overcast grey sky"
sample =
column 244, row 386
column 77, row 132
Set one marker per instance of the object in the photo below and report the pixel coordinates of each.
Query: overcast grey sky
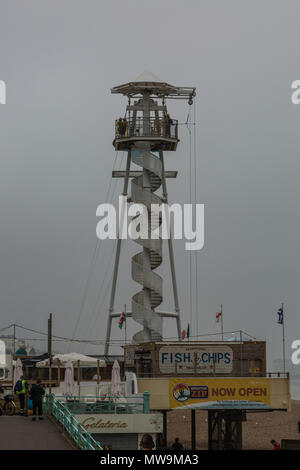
column 59, row 59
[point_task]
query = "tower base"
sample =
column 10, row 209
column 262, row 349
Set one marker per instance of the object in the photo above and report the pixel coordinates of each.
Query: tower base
column 225, row 429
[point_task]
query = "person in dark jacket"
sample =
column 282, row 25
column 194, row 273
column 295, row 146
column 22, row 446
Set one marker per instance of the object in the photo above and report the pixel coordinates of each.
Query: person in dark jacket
column 36, row 394
column 177, row 446
column 168, row 124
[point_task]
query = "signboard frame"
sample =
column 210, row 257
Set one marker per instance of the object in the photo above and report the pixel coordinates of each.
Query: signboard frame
column 208, row 393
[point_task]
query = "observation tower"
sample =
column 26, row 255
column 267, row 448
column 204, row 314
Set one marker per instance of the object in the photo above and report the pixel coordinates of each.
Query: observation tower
column 145, row 132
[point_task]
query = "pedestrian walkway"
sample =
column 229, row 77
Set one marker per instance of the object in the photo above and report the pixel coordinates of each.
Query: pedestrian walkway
column 20, row 433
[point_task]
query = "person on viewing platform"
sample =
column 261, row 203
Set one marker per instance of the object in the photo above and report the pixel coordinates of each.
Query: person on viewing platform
column 168, row 124
column 122, row 127
column 125, row 124
column 118, row 127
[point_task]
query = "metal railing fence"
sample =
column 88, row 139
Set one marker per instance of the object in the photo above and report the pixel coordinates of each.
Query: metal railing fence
column 74, row 429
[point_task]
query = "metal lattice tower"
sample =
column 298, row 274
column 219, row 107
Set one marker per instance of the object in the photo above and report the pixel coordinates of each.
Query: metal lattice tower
column 145, row 133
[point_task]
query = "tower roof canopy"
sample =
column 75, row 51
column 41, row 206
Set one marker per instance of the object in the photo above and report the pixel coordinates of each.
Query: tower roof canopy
column 147, row 76
column 147, row 81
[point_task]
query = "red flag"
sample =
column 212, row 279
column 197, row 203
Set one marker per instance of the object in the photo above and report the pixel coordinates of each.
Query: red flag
column 183, row 333
column 218, row 315
column 121, row 320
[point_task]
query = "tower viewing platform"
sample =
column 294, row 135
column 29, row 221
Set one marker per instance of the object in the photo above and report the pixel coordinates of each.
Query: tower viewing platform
column 146, row 118
column 161, row 132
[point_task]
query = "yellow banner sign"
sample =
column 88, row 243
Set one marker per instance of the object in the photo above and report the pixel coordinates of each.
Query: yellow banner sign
column 216, row 393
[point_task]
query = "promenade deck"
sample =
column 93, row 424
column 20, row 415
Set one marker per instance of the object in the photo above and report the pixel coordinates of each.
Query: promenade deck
column 20, row 433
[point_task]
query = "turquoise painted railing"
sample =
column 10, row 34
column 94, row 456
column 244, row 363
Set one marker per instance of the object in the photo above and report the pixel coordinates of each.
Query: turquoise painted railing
column 74, row 429
column 107, row 404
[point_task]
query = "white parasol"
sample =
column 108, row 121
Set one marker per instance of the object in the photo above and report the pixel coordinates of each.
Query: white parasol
column 72, row 357
column 18, row 370
column 115, row 379
column 68, row 385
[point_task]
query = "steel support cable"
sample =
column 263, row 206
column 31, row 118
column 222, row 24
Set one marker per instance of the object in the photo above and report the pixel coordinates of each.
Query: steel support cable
column 190, row 290
column 195, row 201
column 62, row 338
column 111, row 257
column 121, row 341
column 93, row 262
column 100, row 291
column 190, row 201
column 103, row 301
column 87, row 284
column 7, row 327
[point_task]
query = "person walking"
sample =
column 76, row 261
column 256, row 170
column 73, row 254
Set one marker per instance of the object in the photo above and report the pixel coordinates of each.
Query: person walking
column 177, row 446
column 275, row 444
column 20, row 390
column 146, row 442
column 36, row 394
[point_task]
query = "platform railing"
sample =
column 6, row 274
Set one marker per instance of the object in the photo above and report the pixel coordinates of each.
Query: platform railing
column 282, row 375
column 107, row 404
column 74, row 429
column 141, row 127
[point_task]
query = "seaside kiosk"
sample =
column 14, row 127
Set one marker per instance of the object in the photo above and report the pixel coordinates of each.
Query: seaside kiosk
column 228, row 379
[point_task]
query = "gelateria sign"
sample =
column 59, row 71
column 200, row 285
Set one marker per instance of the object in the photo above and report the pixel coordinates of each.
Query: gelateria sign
column 116, row 424
column 208, row 393
column 195, row 359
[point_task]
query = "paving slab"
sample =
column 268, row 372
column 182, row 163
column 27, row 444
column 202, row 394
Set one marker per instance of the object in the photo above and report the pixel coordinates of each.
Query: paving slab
column 20, row 433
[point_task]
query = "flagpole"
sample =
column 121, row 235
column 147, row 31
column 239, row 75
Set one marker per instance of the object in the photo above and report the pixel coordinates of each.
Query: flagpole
column 283, row 340
column 222, row 330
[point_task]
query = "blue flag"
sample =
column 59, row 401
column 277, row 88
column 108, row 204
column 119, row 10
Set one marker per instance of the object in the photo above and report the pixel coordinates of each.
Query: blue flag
column 280, row 316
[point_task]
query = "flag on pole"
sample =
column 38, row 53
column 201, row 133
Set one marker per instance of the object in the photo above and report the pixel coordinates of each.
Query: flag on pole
column 218, row 316
column 122, row 319
column 280, row 321
column 280, row 316
column 183, row 334
column 188, row 331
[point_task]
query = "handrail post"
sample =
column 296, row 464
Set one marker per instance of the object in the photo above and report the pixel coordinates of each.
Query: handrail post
column 79, row 434
column 50, row 403
column 72, row 425
column 47, row 403
column 67, row 413
column 146, row 405
column 89, row 440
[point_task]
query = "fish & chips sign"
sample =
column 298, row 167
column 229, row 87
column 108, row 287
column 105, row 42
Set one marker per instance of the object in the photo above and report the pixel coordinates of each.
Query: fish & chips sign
column 202, row 359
